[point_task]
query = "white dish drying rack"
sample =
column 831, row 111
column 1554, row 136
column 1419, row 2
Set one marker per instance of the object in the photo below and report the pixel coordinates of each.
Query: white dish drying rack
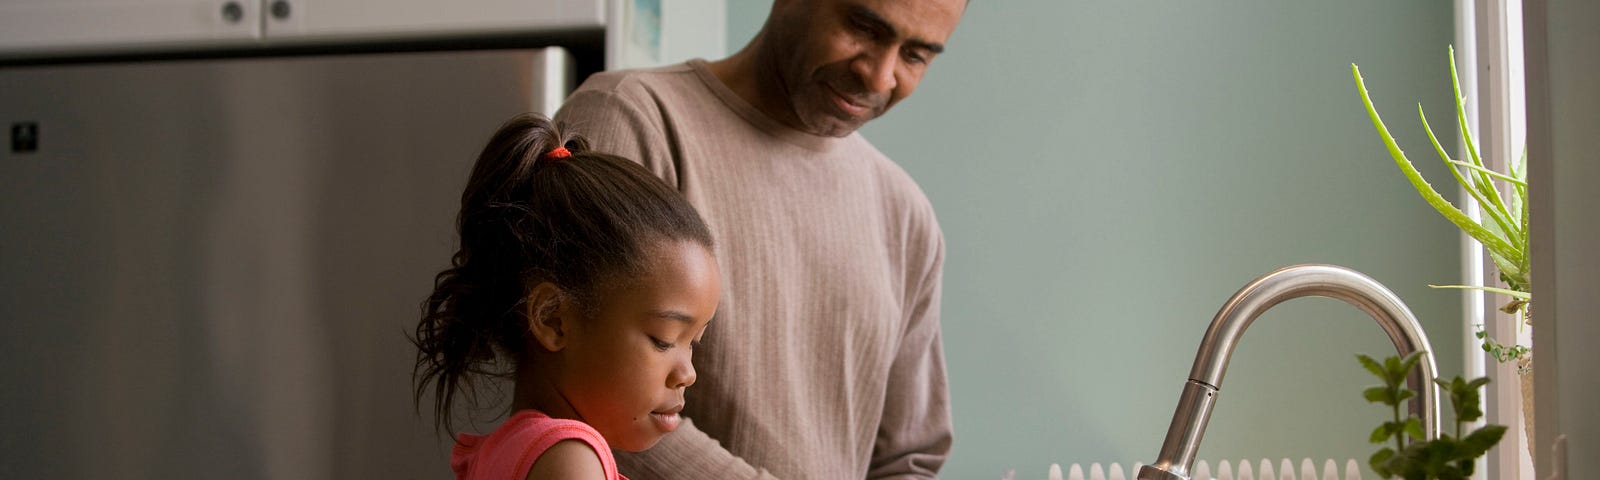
column 1225, row 471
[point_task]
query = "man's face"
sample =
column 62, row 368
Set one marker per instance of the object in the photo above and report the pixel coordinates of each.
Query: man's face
column 845, row 62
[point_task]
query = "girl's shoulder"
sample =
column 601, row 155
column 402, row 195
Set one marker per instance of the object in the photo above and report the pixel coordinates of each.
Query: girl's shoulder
column 569, row 458
column 525, row 438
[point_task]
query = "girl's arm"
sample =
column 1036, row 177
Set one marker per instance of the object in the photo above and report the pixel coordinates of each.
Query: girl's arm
column 568, row 459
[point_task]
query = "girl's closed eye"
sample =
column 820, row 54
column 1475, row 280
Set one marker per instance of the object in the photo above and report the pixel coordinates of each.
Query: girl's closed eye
column 660, row 344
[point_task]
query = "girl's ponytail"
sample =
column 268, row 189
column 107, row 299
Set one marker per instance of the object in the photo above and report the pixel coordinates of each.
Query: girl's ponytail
column 464, row 321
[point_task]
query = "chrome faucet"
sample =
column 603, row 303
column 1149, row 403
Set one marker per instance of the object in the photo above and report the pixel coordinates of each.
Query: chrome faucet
column 1205, row 379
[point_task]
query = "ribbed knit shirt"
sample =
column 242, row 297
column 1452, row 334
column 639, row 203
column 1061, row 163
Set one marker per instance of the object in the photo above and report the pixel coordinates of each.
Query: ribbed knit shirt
column 824, row 359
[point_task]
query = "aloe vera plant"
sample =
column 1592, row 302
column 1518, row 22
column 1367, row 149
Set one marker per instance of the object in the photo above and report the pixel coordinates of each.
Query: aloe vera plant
column 1504, row 228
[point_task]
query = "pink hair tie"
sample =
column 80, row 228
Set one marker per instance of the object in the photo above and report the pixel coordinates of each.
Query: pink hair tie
column 558, row 153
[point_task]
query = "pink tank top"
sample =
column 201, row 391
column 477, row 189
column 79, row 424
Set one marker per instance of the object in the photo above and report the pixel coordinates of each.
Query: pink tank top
column 509, row 452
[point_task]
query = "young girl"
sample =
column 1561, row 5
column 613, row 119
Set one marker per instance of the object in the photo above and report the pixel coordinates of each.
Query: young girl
column 587, row 281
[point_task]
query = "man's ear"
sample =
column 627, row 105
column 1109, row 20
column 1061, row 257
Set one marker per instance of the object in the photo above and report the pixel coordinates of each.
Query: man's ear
column 549, row 316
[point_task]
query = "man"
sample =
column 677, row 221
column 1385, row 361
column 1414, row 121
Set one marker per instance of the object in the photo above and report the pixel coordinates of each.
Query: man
column 825, row 360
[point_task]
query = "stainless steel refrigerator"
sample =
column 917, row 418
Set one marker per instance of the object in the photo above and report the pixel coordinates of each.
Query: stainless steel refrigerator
column 209, row 268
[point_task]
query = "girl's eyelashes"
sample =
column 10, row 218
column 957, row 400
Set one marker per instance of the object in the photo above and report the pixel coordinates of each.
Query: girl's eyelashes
column 664, row 345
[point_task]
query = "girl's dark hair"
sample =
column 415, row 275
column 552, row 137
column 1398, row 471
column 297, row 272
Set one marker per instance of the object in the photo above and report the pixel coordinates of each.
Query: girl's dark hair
column 529, row 217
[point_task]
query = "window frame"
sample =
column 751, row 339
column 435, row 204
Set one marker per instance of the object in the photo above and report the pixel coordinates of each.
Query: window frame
column 1491, row 63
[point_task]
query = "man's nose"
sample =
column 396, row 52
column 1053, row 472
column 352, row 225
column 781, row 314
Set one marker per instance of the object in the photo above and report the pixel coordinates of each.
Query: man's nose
column 876, row 68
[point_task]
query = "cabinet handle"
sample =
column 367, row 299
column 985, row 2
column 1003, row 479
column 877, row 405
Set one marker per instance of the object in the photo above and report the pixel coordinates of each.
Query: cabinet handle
column 232, row 12
column 280, row 9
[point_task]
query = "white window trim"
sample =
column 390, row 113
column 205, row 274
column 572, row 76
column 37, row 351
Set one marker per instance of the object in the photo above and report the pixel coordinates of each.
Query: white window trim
column 1489, row 54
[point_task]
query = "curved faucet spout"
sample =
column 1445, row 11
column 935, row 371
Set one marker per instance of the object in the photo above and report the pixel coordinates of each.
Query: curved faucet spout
column 1205, row 379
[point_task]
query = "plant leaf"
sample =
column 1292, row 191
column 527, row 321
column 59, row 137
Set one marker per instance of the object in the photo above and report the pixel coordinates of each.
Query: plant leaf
column 1410, row 362
column 1512, row 270
column 1378, row 394
column 1380, row 462
column 1382, row 433
column 1481, row 440
column 1433, row 198
column 1466, row 134
column 1520, row 281
column 1487, row 198
column 1464, row 398
column 1372, row 365
column 1501, row 176
column 1413, row 427
column 1502, row 291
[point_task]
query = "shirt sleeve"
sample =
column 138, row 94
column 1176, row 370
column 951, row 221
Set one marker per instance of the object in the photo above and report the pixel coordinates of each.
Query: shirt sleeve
column 915, row 434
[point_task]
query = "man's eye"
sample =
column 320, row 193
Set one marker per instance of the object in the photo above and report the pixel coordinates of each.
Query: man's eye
column 916, row 58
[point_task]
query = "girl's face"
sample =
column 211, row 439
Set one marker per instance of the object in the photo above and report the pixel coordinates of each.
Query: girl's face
column 625, row 370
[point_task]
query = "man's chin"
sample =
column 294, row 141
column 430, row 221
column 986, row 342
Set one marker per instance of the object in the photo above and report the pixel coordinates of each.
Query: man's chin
column 833, row 127
column 825, row 122
column 838, row 133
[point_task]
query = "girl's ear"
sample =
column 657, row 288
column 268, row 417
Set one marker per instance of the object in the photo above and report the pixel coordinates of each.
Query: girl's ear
column 549, row 314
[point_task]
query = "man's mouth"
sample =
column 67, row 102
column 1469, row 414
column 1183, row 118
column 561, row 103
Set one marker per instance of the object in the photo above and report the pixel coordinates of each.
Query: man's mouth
column 849, row 105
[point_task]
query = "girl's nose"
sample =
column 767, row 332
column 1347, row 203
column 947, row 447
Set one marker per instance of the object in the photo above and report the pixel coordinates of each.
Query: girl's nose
column 683, row 374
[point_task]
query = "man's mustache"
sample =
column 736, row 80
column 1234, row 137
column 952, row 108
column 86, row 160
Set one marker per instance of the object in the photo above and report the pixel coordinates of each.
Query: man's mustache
column 859, row 95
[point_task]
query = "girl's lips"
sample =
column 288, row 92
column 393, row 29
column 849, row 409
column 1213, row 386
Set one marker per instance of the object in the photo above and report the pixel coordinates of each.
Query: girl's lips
column 667, row 419
column 667, row 422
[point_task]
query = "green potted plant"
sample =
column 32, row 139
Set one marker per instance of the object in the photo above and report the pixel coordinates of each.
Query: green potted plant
column 1452, row 456
column 1503, row 230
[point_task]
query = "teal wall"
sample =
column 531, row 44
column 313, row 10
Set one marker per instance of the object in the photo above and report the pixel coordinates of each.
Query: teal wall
column 1109, row 172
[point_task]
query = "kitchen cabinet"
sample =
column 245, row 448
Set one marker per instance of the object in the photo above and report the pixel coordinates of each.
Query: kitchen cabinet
column 377, row 19
column 64, row 27
column 632, row 33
